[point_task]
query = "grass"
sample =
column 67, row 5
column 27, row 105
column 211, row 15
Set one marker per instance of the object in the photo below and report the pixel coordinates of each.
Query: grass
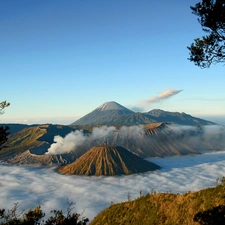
column 163, row 208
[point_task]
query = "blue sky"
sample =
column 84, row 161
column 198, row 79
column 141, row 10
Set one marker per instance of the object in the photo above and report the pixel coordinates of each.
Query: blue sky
column 60, row 59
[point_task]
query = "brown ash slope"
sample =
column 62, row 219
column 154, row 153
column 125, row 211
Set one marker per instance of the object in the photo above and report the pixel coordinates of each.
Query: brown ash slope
column 108, row 161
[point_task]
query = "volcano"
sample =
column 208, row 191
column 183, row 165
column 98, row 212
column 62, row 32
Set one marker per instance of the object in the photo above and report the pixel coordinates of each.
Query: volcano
column 108, row 161
column 114, row 114
column 104, row 114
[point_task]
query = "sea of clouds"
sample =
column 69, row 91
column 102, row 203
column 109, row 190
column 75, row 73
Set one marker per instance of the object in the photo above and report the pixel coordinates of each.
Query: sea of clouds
column 32, row 186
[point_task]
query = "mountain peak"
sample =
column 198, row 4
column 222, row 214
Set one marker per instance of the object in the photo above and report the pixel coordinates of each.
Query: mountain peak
column 110, row 106
column 104, row 114
column 108, row 161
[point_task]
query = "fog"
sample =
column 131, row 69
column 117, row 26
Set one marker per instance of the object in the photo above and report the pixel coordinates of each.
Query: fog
column 31, row 186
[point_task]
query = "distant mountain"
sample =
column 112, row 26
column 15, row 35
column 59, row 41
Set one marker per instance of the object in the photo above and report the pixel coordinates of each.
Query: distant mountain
column 112, row 113
column 176, row 117
column 108, row 161
column 104, row 114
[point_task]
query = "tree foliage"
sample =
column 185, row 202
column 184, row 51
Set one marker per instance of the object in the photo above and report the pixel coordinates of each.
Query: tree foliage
column 35, row 217
column 3, row 105
column 209, row 49
column 3, row 130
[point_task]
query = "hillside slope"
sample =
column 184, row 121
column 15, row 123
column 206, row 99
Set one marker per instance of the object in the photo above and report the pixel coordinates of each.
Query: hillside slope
column 104, row 114
column 166, row 208
column 176, row 117
column 37, row 139
column 108, row 161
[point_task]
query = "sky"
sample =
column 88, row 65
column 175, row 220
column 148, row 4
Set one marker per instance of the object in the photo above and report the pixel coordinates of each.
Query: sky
column 32, row 186
column 62, row 59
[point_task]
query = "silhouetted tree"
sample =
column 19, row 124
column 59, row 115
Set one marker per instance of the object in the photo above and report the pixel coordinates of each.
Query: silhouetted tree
column 36, row 215
column 3, row 130
column 210, row 48
column 214, row 216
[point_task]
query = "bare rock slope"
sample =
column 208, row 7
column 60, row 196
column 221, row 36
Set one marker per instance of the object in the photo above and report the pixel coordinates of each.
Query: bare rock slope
column 108, row 161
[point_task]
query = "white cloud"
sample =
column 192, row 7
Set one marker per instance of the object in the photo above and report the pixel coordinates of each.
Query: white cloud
column 163, row 95
column 31, row 186
column 143, row 104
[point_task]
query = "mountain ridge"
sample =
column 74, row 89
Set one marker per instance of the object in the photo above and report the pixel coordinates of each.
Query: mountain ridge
column 112, row 113
column 167, row 208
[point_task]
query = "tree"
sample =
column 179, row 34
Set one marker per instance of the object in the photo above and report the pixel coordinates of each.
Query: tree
column 3, row 130
column 35, row 217
column 209, row 49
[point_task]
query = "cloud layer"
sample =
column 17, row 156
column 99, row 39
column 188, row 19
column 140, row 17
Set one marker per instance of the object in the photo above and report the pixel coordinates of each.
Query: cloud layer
column 31, row 186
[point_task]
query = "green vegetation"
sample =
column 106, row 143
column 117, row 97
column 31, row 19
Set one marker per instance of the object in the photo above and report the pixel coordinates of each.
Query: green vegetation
column 35, row 217
column 3, row 129
column 191, row 208
column 210, row 48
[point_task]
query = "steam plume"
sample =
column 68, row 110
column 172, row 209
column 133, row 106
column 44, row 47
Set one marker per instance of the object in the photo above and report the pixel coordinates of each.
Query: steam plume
column 74, row 139
column 99, row 134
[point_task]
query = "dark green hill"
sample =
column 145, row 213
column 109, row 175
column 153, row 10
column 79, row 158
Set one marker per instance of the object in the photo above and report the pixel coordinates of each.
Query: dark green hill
column 167, row 208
